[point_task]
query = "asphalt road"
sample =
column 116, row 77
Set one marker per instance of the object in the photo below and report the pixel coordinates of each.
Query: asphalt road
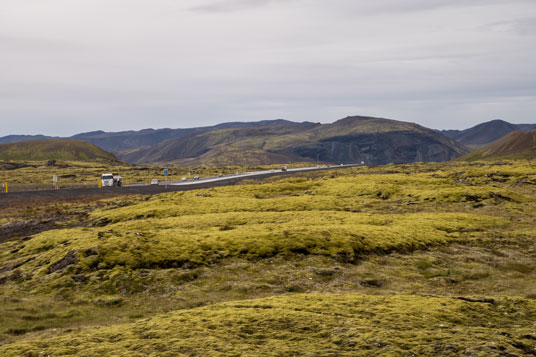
column 203, row 182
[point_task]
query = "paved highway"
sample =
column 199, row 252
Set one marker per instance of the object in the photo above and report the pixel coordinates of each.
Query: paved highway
column 203, row 182
column 245, row 175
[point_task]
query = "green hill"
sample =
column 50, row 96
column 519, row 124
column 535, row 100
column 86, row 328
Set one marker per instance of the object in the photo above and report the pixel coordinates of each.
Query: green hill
column 55, row 149
column 515, row 145
column 349, row 140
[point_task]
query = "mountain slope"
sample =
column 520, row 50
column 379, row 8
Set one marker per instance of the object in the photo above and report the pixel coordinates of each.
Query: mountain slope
column 55, row 149
column 516, row 145
column 377, row 141
column 486, row 133
column 349, row 140
column 128, row 140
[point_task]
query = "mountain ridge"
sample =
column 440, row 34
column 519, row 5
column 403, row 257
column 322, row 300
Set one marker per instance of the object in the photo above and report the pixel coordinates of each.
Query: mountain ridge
column 487, row 132
column 349, row 140
column 116, row 142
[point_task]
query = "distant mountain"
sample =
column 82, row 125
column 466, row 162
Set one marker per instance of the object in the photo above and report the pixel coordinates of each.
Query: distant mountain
column 55, row 149
column 515, row 145
column 132, row 139
column 486, row 133
column 526, row 127
column 128, row 140
column 349, row 140
column 16, row 138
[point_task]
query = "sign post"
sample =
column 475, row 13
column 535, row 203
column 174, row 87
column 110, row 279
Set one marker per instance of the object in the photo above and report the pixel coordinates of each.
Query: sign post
column 55, row 181
column 165, row 174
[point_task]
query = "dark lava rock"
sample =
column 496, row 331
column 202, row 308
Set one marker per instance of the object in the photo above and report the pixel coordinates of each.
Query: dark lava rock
column 16, row 265
column 371, row 283
column 64, row 262
column 91, row 251
column 325, row 272
column 79, row 278
column 13, row 165
column 102, row 222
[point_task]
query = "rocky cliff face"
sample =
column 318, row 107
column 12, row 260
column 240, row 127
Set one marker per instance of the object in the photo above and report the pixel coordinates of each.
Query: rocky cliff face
column 379, row 149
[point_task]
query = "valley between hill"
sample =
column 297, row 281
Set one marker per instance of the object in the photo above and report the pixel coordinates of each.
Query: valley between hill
column 394, row 260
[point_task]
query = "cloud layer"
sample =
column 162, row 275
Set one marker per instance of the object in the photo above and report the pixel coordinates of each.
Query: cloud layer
column 77, row 65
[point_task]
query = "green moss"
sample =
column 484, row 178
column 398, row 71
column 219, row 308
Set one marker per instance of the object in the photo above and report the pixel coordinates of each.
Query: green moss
column 317, row 324
column 398, row 229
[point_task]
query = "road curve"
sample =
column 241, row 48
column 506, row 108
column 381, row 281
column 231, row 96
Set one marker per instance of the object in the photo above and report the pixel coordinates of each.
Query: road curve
column 72, row 193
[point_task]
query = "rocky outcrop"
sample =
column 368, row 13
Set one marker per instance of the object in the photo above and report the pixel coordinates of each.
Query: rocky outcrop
column 379, row 149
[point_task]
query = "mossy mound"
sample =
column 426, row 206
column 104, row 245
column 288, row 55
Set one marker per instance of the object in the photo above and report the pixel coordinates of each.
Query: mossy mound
column 313, row 325
column 324, row 217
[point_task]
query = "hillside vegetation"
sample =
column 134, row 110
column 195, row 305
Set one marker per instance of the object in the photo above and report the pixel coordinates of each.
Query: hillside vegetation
column 55, row 149
column 516, row 145
column 123, row 141
column 417, row 259
column 349, row 140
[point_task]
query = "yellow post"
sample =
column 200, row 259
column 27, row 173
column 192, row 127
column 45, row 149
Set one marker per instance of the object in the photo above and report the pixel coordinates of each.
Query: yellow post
column 99, row 184
column 6, row 187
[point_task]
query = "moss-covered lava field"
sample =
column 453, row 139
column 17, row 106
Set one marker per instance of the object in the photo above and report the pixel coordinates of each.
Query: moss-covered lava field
column 417, row 259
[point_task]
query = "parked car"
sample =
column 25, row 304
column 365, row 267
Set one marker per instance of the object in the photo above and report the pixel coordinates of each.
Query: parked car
column 184, row 179
column 196, row 177
column 154, row 182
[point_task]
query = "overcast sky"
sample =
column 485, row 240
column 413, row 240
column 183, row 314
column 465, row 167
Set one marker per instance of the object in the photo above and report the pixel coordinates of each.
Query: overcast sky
column 69, row 66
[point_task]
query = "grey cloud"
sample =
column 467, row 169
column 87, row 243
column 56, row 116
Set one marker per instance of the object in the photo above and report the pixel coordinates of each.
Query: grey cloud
column 20, row 43
column 233, row 5
column 523, row 26
column 71, row 67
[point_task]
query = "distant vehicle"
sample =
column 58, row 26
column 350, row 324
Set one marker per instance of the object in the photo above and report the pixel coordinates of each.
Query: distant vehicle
column 110, row 180
column 220, row 175
column 154, row 182
column 196, row 177
column 283, row 168
column 184, row 179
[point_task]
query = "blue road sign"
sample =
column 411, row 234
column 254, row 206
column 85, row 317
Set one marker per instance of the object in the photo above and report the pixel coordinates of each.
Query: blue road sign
column 165, row 172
